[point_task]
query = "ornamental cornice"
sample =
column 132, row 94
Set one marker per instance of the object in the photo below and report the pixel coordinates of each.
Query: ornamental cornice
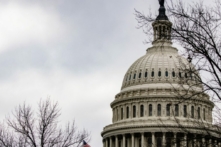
column 160, row 128
column 161, row 91
column 163, row 98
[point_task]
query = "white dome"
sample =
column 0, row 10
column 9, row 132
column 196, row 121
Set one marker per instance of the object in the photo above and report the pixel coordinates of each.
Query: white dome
column 161, row 64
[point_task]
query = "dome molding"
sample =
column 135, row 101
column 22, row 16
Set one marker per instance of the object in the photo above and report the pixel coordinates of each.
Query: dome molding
column 158, row 128
column 158, row 99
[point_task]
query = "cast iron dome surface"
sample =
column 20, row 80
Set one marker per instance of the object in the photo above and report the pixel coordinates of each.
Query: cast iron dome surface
column 160, row 64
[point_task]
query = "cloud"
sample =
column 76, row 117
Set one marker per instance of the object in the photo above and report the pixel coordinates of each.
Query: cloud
column 24, row 24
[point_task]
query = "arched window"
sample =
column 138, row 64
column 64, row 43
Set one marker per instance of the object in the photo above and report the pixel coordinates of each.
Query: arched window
column 122, row 113
column 173, row 74
column 159, row 73
column 140, row 75
column 204, row 114
column 149, row 142
column 186, row 75
column 159, row 142
column 127, row 112
column 134, row 111
column 192, row 111
column 166, row 73
column 160, row 33
column 130, row 77
column 176, row 110
column 198, row 111
column 168, row 109
column 184, row 111
column 141, row 111
column 180, row 75
column 159, row 110
column 134, row 76
column 150, row 110
column 152, row 74
column 117, row 114
column 146, row 74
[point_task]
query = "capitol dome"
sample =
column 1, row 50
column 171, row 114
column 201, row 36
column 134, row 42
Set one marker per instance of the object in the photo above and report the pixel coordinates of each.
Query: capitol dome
column 161, row 103
column 160, row 64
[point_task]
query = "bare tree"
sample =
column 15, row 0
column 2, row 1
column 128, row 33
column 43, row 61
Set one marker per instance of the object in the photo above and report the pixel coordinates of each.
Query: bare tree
column 29, row 129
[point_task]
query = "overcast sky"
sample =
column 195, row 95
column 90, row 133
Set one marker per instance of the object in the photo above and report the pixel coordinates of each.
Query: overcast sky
column 74, row 51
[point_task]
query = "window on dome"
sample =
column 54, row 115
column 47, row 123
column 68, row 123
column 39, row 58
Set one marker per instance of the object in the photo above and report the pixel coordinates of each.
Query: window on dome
column 192, row 111
column 166, row 73
column 117, row 114
column 134, row 111
column 150, row 110
column 186, row 75
column 141, row 110
column 204, row 114
column 176, row 110
column 159, row 110
column 126, row 78
column 146, row 74
column 140, row 75
column 127, row 112
column 168, row 109
column 130, row 77
column 122, row 113
column 173, row 74
column 134, row 76
column 180, row 75
column 149, row 142
column 198, row 111
column 159, row 142
column 159, row 73
column 119, row 143
column 152, row 73
column 184, row 111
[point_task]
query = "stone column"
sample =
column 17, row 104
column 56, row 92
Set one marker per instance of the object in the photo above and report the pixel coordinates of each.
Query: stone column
column 164, row 139
column 131, row 111
column 153, row 139
column 104, row 143
column 142, row 139
column 110, row 140
column 215, row 143
column 132, row 140
column 203, row 142
column 194, row 142
column 210, row 143
column 106, row 140
column 174, row 139
column 124, row 144
column 185, row 140
column 116, row 141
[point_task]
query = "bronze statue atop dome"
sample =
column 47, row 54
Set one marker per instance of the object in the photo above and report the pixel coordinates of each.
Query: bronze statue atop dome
column 161, row 3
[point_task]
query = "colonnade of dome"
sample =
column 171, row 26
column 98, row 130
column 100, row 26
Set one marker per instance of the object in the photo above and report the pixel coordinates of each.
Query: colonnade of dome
column 155, row 139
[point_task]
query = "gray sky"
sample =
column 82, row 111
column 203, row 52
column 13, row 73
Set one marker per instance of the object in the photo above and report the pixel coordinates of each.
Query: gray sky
column 74, row 51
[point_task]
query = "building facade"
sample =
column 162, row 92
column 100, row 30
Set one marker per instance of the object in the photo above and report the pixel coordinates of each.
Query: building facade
column 155, row 106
